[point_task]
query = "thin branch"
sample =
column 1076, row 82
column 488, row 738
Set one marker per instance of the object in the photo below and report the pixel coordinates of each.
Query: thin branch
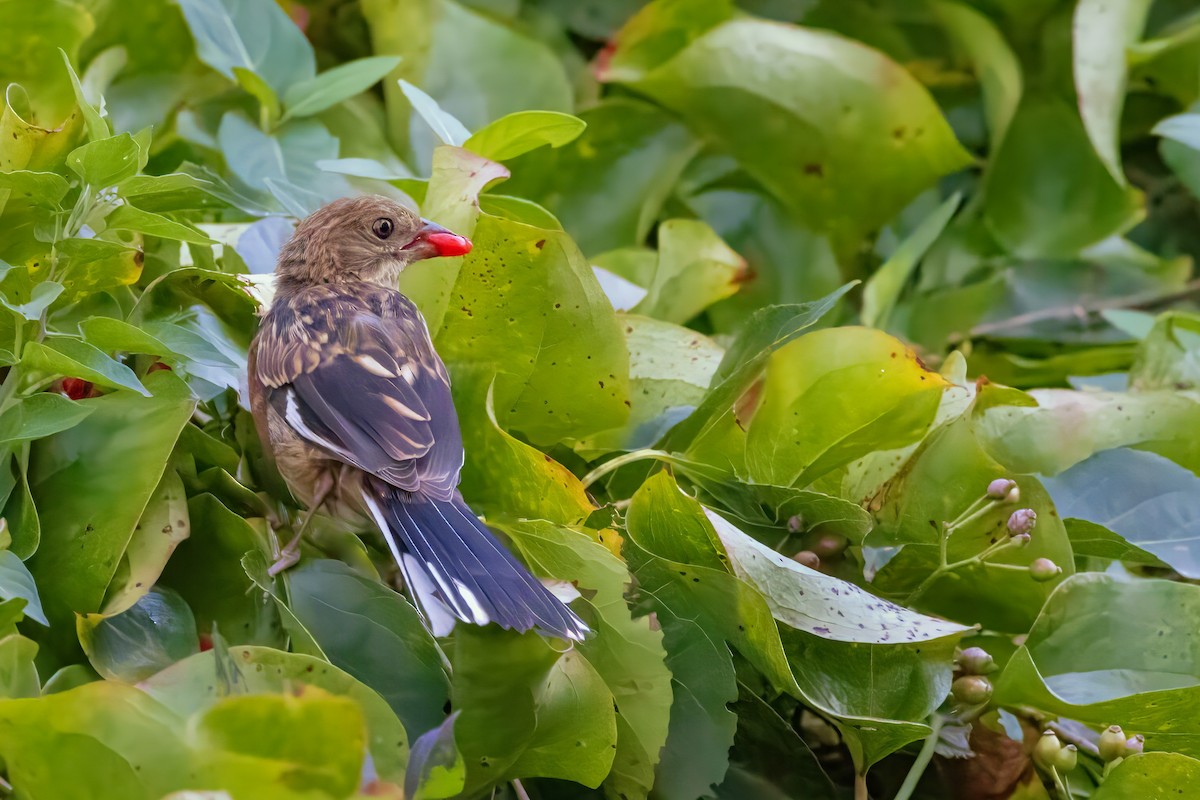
column 1144, row 300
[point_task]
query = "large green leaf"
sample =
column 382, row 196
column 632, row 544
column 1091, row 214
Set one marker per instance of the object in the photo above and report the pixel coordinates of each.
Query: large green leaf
column 149, row 636
column 1149, row 775
column 608, row 186
column 526, row 710
column 16, row 582
column 704, row 610
column 627, row 653
column 1111, row 652
column 195, row 683
column 1048, row 194
column 251, row 34
column 1101, row 33
column 375, row 635
column 803, row 426
column 41, row 414
column 518, row 133
column 837, row 131
column 89, row 509
column 527, row 306
column 1148, row 501
column 331, row 87
column 76, row 359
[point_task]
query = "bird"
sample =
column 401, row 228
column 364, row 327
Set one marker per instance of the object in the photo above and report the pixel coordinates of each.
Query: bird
column 353, row 405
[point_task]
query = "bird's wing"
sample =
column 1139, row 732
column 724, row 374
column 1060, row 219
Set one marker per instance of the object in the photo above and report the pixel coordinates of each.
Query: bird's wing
column 355, row 375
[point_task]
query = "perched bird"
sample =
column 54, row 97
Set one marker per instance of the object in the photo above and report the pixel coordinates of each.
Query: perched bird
column 354, row 403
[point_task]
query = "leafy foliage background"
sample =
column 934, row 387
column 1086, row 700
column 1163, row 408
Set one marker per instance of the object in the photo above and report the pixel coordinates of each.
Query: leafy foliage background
column 739, row 274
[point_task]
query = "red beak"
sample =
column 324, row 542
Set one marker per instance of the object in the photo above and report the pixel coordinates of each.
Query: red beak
column 437, row 241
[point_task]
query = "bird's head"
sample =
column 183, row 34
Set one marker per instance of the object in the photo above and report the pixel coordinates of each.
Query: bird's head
column 367, row 238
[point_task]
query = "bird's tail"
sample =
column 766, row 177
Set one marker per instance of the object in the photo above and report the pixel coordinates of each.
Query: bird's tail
column 456, row 568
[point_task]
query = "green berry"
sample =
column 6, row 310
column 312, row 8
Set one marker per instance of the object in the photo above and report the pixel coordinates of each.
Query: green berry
column 976, row 661
column 1043, row 569
column 1112, row 743
column 808, row 558
column 972, row 690
column 1066, row 759
column 1136, row 744
column 1045, row 752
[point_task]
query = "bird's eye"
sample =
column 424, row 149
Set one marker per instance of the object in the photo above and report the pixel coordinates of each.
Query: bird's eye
column 383, row 227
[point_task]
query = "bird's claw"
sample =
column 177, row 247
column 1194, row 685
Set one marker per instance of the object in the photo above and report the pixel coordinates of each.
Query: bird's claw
column 288, row 557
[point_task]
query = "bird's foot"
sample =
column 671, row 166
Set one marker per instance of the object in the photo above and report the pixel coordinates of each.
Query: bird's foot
column 288, row 556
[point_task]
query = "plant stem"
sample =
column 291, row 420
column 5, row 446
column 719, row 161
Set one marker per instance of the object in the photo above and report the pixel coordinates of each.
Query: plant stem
column 944, row 569
column 520, row 790
column 923, row 758
column 860, row 787
column 616, row 463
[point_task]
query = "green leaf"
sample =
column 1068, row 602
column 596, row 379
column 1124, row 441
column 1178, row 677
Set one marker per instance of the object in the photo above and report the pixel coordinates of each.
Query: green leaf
column 321, row 736
column 152, row 634
column 534, row 313
column 703, row 609
column 435, row 769
column 624, row 651
column 504, row 475
column 286, row 160
column 767, row 330
column 803, row 428
column 820, row 604
column 128, row 218
column 163, row 525
column 39, row 415
column 207, row 570
column 40, row 188
column 1147, row 775
column 335, row 85
column 517, row 133
column 196, row 683
column 1169, row 355
column 1148, row 501
column 16, row 582
column 884, row 288
column 89, row 509
column 1101, row 33
column 1045, row 158
column 670, row 368
column 445, row 126
column 695, row 269
column 1070, row 666
column 609, row 185
column 94, row 264
column 78, row 359
column 261, row 91
column 524, row 710
column 42, row 295
column 995, row 64
column 105, row 162
column 375, row 635
column 18, row 675
column 254, row 35
column 96, row 126
column 1065, row 427
column 113, row 335
column 775, row 97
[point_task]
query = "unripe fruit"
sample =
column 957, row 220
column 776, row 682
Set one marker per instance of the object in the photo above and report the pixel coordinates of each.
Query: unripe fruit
column 829, row 545
column 1043, row 569
column 1112, row 743
column 999, row 489
column 1045, row 752
column 808, row 558
column 973, row 690
column 1066, row 759
column 1135, row 745
column 976, row 661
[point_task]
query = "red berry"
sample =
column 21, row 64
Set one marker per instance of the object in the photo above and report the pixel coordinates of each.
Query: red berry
column 205, row 642
column 76, row 388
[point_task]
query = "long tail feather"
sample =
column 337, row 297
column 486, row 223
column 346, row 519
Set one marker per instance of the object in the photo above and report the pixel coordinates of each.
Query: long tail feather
column 457, row 569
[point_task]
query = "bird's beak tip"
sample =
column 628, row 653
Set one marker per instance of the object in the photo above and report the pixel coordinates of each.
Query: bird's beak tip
column 443, row 242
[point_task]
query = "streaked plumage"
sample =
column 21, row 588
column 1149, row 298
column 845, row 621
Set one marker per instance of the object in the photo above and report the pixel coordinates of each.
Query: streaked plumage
column 349, row 393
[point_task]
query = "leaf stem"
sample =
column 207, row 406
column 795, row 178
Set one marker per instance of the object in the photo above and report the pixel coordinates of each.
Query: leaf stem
column 860, row 787
column 614, row 464
column 944, row 569
column 923, row 758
